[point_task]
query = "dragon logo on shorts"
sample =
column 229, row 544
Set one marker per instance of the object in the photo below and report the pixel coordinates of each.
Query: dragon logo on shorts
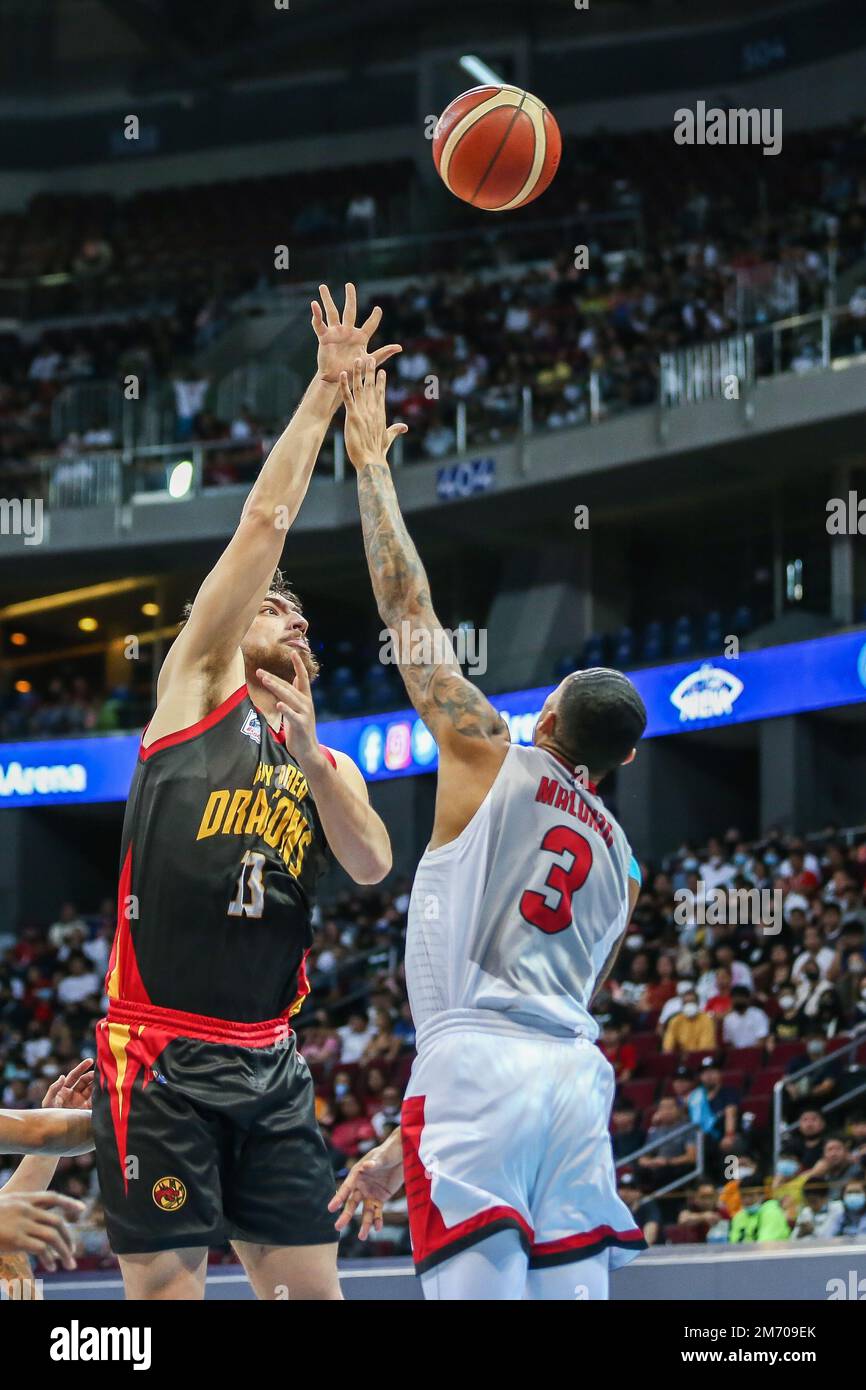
column 169, row 1194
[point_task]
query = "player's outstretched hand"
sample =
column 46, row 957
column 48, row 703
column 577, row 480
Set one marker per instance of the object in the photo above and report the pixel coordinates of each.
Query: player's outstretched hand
column 368, row 435
column 73, row 1091
column 35, row 1223
column 370, row 1183
column 340, row 341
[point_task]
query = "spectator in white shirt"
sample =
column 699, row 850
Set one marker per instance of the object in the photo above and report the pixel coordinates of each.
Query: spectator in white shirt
column 813, row 950
column 716, row 871
column 674, row 1004
column 79, row 983
column 354, row 1037
column 67, row 925
column 189, row 398
column 746, row 1025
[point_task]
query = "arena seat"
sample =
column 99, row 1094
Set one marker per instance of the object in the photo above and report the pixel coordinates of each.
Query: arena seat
column 784, row 1051
column 681, row 1235
column 640, row 1093
column 745, row 1059
column 644, row 1044
column 759, row 1107
column 735, row 1079
column 663, row 1064
column 764, row 1081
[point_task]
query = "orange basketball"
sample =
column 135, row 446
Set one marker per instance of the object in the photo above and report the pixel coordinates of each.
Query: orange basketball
column 496, row 147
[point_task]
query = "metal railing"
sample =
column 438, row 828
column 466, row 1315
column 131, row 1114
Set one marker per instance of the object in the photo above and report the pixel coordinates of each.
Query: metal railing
column 481, row 420
column 780, row 1127
column 695, row 1172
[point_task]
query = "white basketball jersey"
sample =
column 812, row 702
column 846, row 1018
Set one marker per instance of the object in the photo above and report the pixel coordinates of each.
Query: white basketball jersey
column 515, row 919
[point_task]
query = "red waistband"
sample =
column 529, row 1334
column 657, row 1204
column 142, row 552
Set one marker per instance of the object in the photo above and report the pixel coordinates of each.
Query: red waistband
column 182, row 1025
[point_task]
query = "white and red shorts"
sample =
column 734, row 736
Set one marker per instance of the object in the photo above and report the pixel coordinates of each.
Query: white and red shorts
column 507, row 1128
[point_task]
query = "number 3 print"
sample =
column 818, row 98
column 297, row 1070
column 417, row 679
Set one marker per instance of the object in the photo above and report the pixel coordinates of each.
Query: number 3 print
column 563, row 879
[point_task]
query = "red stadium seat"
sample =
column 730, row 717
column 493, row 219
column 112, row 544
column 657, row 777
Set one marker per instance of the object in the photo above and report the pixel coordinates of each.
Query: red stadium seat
column 784, row 1051
column 663, row 1064
column 759, row 1107
column 644, row 1044
column 640, row 1093
column 682, row 1235
column 747, row 1059
column 764, row 1081
column 694, row 1060
column 735, row 1079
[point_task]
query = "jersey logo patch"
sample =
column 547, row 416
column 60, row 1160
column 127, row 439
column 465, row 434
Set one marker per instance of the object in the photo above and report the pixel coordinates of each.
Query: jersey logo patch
column 252, row 728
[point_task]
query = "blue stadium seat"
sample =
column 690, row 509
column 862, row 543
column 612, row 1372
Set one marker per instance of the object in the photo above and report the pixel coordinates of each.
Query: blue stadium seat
column 593, row 651
column 684, row 641
column 713, row 633
column 743, row 620
column 623, row 651
column 652, row 641
column 348, row 700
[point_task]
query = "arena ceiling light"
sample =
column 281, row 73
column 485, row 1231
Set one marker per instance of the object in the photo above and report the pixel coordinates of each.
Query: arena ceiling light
column 49, row 602
column 480, row 71
column 180, row 479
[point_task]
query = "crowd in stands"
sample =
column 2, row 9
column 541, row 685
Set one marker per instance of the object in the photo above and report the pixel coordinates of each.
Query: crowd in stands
column 469, row 335
column 71, row 706
column 699, row 1019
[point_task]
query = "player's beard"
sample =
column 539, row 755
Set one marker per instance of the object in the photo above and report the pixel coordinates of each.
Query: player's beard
column 277, row 659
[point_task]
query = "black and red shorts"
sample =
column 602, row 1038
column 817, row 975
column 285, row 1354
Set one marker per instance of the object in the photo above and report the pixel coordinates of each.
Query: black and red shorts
column 205, row 1131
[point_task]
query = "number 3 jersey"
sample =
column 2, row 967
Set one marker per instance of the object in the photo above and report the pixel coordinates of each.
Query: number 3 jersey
column 221, row 850
column 515, row 919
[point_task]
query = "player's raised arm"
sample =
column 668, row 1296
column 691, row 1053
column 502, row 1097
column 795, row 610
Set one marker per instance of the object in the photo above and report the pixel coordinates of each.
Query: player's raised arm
column 60, row 1132
column 230, row 596
column 455, row 711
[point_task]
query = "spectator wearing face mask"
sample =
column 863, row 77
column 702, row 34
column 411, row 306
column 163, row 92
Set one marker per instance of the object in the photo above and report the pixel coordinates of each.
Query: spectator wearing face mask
column 847, row 1216
column 787, row 1026
column 674, row 1005
column 810, row 988
column 691, row 1030
column 746, row 1025
column 716, row 871
column 816, row 952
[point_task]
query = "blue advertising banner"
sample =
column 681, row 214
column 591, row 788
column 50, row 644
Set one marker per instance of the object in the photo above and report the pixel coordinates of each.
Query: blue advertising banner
column 688, row 695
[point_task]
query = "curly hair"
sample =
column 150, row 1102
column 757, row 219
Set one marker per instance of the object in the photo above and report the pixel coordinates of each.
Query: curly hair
column 278, row 586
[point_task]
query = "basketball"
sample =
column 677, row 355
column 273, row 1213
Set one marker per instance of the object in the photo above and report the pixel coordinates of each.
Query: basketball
column 497, row 148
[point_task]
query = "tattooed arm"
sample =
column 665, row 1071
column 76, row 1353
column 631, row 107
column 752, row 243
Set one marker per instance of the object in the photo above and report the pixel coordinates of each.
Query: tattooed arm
column 471, row 736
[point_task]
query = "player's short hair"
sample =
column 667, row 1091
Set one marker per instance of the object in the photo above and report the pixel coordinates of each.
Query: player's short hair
column 599, row 718
column 277, row 586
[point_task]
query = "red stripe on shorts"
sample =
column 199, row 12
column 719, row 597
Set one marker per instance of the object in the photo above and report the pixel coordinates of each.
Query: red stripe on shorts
column 432, row 1240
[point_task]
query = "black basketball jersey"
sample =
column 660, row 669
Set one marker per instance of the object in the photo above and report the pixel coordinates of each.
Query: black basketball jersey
column 221, row 851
